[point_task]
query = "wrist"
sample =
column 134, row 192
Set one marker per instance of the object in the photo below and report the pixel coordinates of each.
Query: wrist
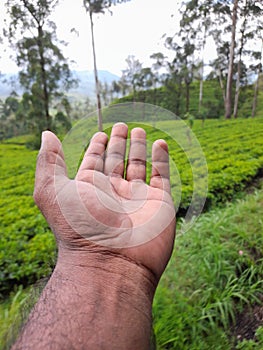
column 102, row 265
column 114, row 292
column 97, row 267
column 100, row 299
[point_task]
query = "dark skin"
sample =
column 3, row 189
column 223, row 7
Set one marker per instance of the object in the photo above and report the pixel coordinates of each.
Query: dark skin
column 115, row 237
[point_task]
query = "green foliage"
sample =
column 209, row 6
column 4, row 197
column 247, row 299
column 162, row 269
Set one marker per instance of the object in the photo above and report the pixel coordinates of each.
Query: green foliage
column 62, row 123
column 10, row 122
column 215, row 271
column 34, row 142
column 14, row 312
column 44, row 70
column 99, row 6
column 256, row 344
column 234, row 155
column 27, row 249
column 172, row 97
column 10, row 311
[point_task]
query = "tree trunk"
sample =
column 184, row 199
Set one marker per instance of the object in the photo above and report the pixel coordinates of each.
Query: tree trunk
column 243, row 29
column 178, row 100
column 228, row 102
column 237, row 89
column 100, row 126
column 202, row 74
column 187, row 97
column 44, row 78
column 254, row 106
column 222, row 85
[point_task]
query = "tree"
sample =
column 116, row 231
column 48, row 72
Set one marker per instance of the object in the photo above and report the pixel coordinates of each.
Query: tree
column 228, row 100
column 146, row 78
column 184, row 61
column 197, row 22
column 201, row 18
column 10, row 123
column 173, row 82
column 235, row 26
column 259, row 66
column 249, row 12
column 124, row 85
column 64, row 107
column 96, row 7
column 220, row 63
column 106, row 93
column 159, row 62
column 44, row 70
column 10, row 106
column 115, row 88
column 62, row 122
column 132, row 73
column 240, row 52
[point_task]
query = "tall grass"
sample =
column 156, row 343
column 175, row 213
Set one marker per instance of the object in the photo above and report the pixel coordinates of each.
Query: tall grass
column 216, row 269
column 14, row 312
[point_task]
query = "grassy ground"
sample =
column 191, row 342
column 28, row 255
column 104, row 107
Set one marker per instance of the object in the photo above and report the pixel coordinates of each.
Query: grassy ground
column 215, row 272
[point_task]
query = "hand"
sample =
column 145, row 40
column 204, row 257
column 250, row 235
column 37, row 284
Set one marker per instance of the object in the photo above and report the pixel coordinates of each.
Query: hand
column 100, row 210
column 115, row 236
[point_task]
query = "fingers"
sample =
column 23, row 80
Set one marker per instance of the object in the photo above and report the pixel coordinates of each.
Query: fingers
column 160, row 177
column 94, row 156
column 113, row 164
column 114, row 161
column 136, row 167
column 50, row 163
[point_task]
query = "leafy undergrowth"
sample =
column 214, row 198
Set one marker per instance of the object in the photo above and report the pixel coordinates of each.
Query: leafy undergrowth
column 215, row 272
column 27, row 247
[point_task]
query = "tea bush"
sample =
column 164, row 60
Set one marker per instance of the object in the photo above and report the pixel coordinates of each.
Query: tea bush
column 26, row 244
column 234, row 154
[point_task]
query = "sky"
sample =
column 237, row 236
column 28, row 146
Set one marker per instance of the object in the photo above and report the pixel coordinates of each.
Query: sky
column 134, row 28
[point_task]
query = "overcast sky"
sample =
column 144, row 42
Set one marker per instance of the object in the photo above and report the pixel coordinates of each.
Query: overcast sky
column 134, row 28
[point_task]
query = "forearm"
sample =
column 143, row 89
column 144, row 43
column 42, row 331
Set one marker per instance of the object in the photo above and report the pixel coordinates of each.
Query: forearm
column 100, row 302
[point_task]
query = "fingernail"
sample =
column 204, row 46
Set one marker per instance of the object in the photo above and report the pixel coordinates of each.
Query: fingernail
column 43, row 137
column 120, row 123
column 96, row 133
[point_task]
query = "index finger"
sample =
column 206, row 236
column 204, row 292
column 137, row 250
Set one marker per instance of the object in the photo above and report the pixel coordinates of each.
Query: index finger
column 160, row 177
column 94, row 156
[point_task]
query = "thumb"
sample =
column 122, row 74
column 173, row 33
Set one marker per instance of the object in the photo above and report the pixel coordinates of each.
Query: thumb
column 50, row 167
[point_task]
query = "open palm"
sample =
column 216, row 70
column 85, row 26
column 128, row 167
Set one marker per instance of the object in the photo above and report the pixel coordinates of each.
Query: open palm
column 101, row 206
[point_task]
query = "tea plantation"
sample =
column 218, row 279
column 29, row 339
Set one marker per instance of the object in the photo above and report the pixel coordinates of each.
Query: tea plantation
column 26, row 244
column 233, row 151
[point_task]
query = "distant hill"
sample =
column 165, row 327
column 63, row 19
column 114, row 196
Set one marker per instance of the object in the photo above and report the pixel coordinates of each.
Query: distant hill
column 86, row 85
column 9, row 82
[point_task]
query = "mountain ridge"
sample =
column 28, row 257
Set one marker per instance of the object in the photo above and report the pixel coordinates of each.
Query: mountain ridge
column 86, row 86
